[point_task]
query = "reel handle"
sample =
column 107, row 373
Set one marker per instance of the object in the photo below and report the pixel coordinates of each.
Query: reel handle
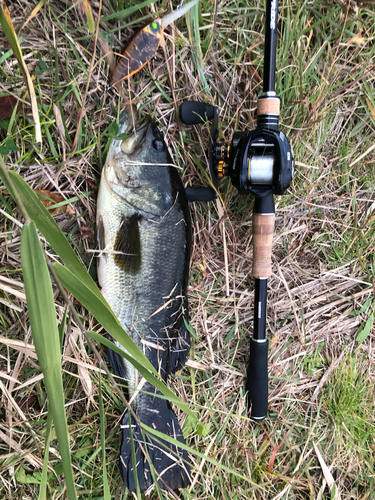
column 194, row 112
column 199, row 193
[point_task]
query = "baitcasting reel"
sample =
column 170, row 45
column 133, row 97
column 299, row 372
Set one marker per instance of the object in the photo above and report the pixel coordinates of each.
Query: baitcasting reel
column 258, row 162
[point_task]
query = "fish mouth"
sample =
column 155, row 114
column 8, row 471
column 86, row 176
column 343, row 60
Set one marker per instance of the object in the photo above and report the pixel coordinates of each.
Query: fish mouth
column 135, row 128
column 130, row 120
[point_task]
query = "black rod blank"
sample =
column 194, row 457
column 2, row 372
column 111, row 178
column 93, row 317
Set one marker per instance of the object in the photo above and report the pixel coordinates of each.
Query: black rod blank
column 269, row 68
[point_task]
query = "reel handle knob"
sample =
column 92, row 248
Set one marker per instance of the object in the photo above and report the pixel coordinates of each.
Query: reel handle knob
column 194, row 112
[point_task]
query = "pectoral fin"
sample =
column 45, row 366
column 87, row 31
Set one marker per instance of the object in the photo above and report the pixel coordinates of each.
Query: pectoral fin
column 128, row 244
column 100, row 234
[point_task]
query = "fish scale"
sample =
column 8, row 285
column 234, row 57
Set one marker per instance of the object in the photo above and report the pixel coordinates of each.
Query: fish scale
column 144, row 230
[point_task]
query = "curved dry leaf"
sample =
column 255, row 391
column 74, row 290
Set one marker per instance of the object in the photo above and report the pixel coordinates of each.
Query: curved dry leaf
column 49, row 199
column 86, row 383
column 7, row 105
column 371, row 107
column 34, row 12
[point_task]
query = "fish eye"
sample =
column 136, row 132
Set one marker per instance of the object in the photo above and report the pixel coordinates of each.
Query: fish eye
column 154, row 26
column 158, row 145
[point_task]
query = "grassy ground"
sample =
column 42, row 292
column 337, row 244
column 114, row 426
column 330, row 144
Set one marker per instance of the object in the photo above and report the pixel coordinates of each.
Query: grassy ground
column 321, row 309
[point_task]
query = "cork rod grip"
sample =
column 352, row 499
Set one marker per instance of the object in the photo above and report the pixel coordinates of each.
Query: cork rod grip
column 268, row 106
column 263, row 228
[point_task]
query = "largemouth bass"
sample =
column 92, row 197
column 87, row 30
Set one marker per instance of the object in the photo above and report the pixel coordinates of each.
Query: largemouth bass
column 143, row 227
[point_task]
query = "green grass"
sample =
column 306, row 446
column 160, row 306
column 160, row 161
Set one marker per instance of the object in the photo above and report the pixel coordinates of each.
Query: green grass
column 320, row 294
column 350, row 407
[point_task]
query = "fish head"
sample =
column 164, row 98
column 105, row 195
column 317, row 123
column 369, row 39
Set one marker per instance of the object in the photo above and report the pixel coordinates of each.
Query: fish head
column 138, row 165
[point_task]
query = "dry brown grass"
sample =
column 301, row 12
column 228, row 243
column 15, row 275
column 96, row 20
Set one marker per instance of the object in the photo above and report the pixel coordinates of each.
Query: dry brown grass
column 323, row 265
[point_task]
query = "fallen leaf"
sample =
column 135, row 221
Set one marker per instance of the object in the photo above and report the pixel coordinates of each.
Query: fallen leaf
column 108, row 54
column 274, row 339
column 34, row 12
column 273, row 457
column 327, row 473
column 359, row 40
column 86, row 383
column 7, row 105
column 371, row 107
column 49, row 199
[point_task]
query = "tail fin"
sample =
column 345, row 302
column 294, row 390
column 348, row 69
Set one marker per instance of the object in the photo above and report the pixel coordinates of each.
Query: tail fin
column 170, row 462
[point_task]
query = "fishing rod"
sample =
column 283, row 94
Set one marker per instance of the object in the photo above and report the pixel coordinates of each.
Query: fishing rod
column 259, row 162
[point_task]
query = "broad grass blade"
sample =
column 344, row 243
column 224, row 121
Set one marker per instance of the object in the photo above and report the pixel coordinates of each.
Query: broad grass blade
column 365, row 329
column 7, row 25
column 42, row 314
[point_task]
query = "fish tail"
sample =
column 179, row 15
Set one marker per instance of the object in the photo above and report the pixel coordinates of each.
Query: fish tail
column 170, row 463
